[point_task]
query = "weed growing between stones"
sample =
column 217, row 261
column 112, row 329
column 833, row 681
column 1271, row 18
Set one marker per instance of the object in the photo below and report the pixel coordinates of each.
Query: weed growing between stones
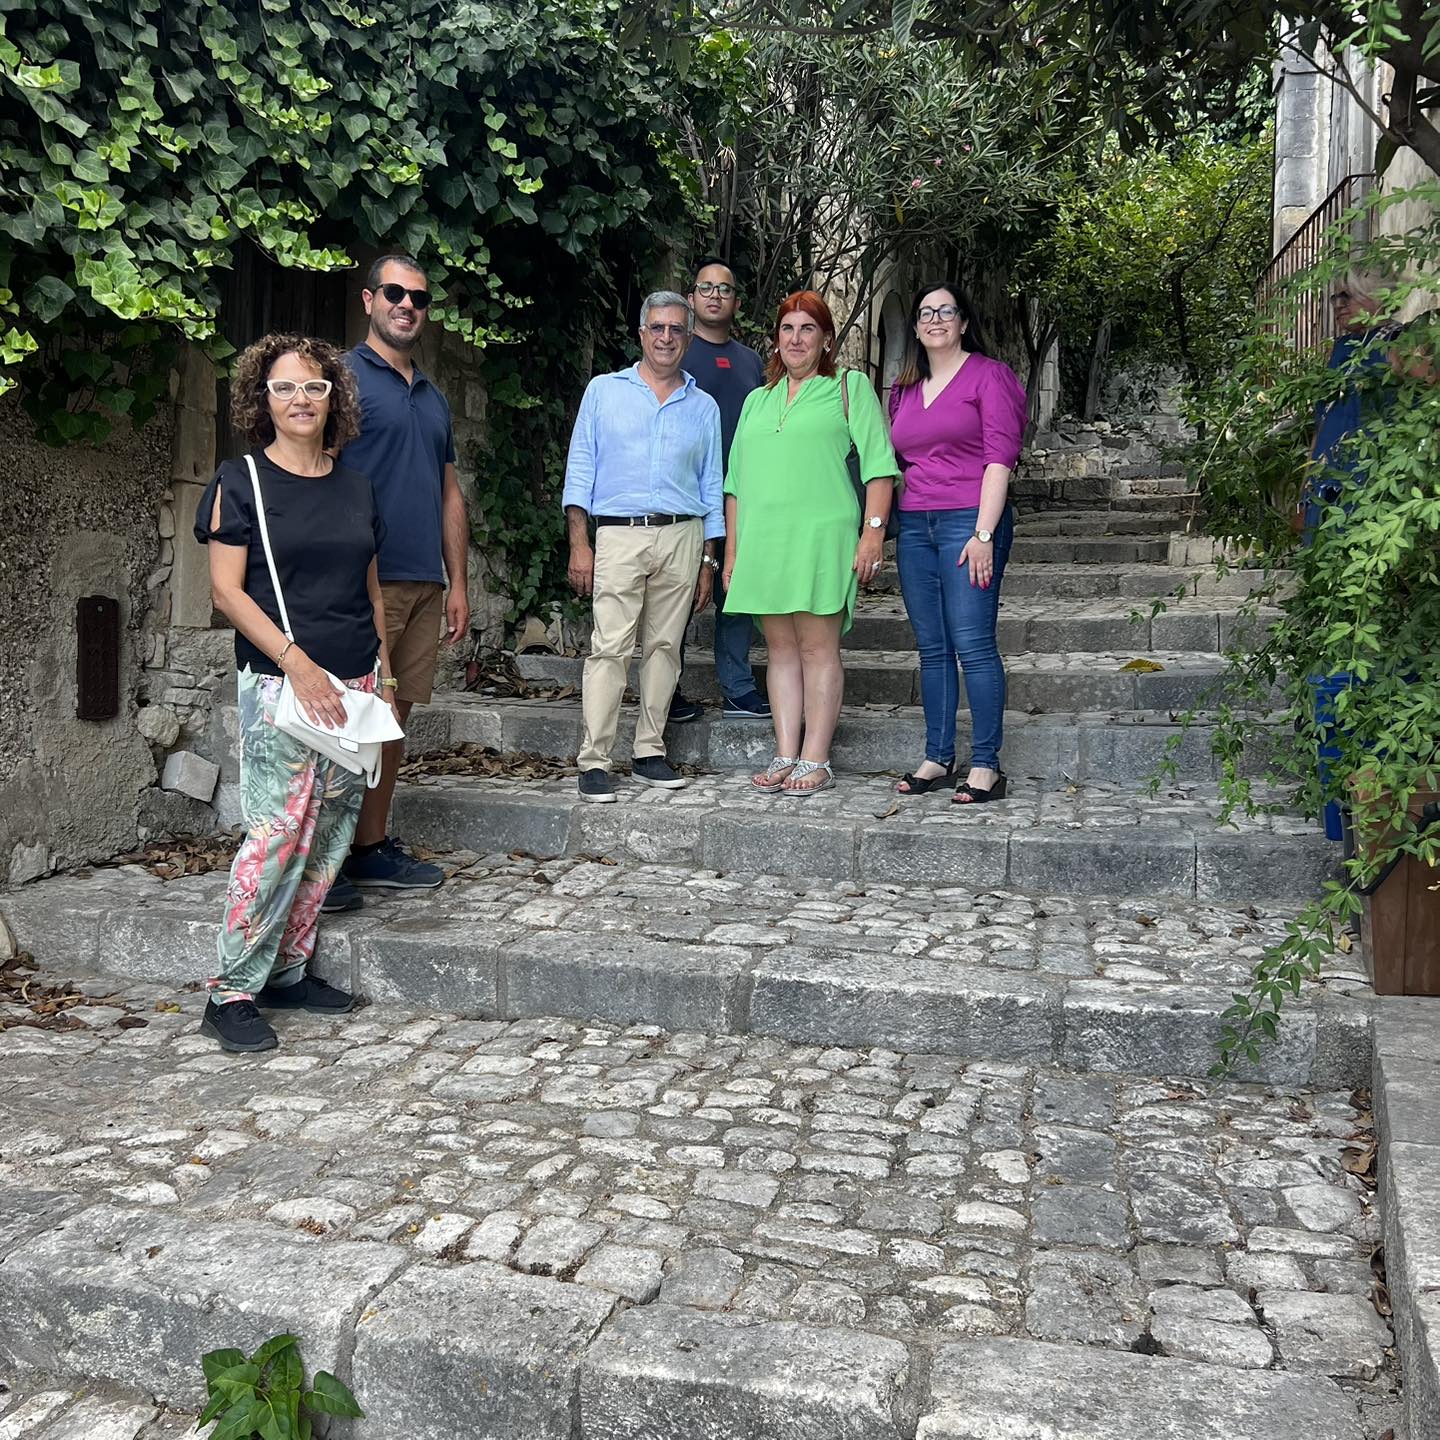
column 264, row 1397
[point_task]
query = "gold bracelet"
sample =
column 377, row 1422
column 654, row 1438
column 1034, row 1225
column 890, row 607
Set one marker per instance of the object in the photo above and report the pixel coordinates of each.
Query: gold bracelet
column 284, row 650
column 389, row 683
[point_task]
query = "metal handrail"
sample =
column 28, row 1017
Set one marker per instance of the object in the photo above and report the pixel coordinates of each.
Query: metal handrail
column 1312, row 321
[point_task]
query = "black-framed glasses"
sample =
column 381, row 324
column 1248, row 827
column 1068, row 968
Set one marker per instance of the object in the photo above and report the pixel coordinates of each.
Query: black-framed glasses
column 937, row 312
column 722, row 288
column 660, row 330
column 420, row 299
column 286, row 390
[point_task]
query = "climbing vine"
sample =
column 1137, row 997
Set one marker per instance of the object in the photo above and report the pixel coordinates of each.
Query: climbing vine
column 1360, row 607
column 142, row 142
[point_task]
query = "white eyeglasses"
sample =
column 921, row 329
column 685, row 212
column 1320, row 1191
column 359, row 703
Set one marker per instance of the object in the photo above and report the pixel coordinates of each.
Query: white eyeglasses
column 289, row 389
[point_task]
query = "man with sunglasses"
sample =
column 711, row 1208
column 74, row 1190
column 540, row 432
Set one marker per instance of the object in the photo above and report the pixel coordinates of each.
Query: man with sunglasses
column 727, row 371
column 406, row 446
column 644, row 463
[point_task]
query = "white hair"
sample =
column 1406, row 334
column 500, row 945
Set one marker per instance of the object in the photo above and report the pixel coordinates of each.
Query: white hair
column 666, row 300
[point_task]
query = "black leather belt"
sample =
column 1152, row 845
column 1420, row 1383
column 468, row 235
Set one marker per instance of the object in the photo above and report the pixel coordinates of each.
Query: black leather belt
column 646, row 520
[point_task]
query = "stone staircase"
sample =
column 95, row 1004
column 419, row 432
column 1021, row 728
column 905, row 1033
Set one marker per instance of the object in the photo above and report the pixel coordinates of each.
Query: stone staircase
column 854, row 1128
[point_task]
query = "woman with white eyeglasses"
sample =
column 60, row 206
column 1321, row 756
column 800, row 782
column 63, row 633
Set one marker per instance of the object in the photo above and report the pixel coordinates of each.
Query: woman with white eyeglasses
column 957, row 421
column 296, row 402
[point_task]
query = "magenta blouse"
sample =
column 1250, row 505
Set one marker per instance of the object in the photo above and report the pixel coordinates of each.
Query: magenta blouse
column 978, row 419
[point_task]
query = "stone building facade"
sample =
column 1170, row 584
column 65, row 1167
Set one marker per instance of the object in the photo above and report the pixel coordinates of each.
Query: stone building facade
column 1324, row 135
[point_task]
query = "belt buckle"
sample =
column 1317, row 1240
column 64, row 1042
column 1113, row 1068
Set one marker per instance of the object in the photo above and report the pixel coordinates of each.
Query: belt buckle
column 645, row 521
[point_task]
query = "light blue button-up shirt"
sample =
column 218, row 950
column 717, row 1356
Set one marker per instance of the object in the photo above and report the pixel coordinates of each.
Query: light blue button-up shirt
column 631, row 455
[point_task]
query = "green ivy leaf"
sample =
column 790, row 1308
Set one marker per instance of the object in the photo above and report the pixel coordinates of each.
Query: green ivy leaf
column 48, row 297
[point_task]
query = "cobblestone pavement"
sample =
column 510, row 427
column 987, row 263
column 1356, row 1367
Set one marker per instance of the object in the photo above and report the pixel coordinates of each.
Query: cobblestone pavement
column 1028, row 804
column 912, row 1196
column 1118, row 940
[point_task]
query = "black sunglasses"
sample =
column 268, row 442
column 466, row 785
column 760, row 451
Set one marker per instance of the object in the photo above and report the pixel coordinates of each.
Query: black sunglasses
column 420, row 299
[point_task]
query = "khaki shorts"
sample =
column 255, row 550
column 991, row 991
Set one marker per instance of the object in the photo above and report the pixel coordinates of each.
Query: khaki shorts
column 414, row 624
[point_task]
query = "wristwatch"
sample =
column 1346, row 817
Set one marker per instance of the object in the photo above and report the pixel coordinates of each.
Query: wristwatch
column 984, row 536
column 711, row 562
column 874, row 522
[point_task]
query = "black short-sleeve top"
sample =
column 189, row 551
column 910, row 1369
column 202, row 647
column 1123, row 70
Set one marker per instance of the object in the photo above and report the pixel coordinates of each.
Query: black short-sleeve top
column 324, row 530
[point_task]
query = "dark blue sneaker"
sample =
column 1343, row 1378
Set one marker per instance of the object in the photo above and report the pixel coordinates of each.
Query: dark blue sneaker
column 391, row 867
column 753, row 706
column 656, row 770
column 596, row 786
column 342, row 896
column 683, row 711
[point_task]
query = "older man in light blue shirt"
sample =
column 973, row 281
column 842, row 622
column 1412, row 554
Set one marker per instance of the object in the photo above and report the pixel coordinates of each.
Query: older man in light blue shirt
column 645, row 466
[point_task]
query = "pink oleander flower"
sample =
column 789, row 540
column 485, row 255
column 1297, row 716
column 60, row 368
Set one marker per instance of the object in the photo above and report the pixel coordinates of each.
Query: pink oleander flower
column 916, row 183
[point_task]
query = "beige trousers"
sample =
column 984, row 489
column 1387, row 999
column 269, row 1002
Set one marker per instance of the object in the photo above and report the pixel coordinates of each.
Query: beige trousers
column 645, row 581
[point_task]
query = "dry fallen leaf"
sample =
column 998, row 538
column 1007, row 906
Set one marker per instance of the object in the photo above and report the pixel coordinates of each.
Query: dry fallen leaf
column 1343, row 943
column 1142, row 667
column 1360, row 1160
column 181, row 855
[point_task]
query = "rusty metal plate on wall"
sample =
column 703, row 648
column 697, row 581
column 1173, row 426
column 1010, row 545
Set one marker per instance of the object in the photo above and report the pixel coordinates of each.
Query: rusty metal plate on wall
column 97, row 657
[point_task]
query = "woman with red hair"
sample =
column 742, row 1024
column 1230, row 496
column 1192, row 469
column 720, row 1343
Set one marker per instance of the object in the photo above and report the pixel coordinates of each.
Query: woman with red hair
column 792, row 556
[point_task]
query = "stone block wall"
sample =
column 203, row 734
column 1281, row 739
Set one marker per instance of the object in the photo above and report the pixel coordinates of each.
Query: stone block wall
column 1083, row 464
column 74, row 522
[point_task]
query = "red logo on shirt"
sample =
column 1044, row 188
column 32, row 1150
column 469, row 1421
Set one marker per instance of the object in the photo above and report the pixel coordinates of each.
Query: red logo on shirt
column 722, row 362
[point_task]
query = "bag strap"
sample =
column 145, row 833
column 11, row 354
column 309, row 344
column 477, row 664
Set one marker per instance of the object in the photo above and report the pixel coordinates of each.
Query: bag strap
column 845, row 398
column 265, row 541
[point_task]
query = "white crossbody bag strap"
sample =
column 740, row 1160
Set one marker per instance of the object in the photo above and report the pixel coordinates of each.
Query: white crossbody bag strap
column 265, row 541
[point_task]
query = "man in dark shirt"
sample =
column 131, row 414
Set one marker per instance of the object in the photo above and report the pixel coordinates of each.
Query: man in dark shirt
column 406, row 446
column 727, row 371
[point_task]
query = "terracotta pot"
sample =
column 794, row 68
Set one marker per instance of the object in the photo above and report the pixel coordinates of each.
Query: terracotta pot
column 1401, row 920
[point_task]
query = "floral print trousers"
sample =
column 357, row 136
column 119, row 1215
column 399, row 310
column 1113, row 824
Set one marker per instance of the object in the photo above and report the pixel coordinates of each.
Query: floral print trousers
column 299, row 811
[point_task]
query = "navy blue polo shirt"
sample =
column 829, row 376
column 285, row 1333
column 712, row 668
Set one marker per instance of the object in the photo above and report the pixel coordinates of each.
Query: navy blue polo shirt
column 405, row 441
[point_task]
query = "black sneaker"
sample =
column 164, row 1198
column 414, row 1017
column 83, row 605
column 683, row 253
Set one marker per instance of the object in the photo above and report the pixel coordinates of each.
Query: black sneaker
column 238, row 1026
column 747, row 707
column 390, row 866
column 309, row 994
column 683, row 711
column 342, row 896
column 597, row 786
column 657, row 770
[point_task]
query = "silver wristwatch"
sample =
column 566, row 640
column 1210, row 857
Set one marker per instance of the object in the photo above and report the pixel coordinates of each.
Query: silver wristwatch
column 874, row 522
column 711, row 562
column 984, row 536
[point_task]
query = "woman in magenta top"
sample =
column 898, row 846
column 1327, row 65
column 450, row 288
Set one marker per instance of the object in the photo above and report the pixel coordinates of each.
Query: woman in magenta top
column 957, row 422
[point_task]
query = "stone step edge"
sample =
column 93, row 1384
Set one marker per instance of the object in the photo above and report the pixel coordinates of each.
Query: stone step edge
column 434, row 1348
column 1406, row 1073
column 1055, row 746
column 1206, row 663
column 460, row 703
column 805, row 993
column 1124, row 861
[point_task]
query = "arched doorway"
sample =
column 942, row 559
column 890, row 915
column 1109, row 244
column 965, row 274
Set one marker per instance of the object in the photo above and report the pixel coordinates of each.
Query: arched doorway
column 893, row 333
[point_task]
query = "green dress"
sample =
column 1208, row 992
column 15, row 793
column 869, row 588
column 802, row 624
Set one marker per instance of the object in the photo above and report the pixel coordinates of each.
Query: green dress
column 798, row 518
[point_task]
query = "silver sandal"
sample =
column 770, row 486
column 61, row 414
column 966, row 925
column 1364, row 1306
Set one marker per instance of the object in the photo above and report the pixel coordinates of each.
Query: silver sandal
column 773, row 779
column 804, row 768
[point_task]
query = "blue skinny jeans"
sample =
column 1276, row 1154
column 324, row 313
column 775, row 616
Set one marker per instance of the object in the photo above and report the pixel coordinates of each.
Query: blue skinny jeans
column 955, row 620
